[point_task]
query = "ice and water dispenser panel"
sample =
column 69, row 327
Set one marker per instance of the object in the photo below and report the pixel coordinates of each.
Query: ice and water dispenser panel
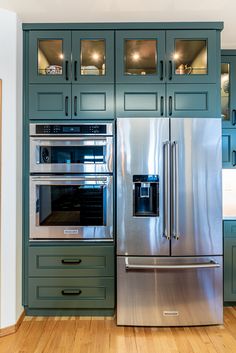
column 145, row 195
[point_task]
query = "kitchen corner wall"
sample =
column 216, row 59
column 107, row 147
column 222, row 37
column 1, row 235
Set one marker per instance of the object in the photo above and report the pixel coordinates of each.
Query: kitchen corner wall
column 11, row 169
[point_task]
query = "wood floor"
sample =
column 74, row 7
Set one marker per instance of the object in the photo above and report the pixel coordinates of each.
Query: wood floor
column 101, row 335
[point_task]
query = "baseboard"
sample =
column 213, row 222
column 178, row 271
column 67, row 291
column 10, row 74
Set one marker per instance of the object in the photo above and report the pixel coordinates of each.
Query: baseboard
column 13, row 328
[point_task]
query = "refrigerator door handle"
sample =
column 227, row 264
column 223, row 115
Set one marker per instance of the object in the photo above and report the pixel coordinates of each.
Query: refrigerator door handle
column 166, row 190
column 210, row 264
column 175, row 181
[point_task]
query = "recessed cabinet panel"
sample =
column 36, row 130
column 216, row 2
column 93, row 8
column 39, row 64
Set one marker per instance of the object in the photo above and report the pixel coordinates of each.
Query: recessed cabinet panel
column 228, row 91
column 140, row 56
column 191, row 56
column 93, row 56
column 140, row 100
column 93, row 292
column 49, row 101
column 192, row 101
column 229, row 268
column 93, row 101
column 229, row 148
column 49, row 56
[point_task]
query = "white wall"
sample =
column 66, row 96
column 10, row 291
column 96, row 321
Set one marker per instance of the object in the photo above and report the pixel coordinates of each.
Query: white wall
column 11, row 198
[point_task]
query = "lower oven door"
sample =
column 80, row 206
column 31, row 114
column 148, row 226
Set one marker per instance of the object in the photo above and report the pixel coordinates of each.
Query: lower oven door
column 71, row 207
column 172, row 291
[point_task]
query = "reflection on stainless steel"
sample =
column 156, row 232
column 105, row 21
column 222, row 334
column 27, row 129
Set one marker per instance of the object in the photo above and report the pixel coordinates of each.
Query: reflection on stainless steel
column 37, row 231
column 139, row 151
column 183, row 286
column 199, row 187
column 144, row 298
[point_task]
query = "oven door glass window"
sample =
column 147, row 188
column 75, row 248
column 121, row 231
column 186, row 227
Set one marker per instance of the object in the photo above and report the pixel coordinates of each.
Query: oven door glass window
column 71, row 205
column 72, row 154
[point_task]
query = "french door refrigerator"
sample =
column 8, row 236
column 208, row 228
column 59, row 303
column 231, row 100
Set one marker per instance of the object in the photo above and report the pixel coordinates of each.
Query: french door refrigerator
column 169, row 222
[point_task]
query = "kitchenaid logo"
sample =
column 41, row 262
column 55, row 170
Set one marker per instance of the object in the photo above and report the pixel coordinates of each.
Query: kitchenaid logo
column 71, row 231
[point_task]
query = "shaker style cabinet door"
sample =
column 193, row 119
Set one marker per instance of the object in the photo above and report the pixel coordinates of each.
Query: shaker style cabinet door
column 93, row 56
column 229, row 261
column 228, row 91
column 229, row 148
column 140, row 56
column 49, row 56
column 192, row 100
column 191, row 56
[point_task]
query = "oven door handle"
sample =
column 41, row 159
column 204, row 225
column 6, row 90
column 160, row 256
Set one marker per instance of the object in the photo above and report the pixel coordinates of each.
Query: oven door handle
column 101, row 180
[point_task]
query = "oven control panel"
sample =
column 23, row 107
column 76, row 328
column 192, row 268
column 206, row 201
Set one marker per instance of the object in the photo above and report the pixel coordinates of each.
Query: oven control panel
column 70, row 129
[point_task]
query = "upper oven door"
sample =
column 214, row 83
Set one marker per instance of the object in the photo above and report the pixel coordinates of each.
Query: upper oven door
column 71, row 154
column 74, row 207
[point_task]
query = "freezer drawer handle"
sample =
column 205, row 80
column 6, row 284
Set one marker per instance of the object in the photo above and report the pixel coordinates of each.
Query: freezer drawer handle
column 210, row 264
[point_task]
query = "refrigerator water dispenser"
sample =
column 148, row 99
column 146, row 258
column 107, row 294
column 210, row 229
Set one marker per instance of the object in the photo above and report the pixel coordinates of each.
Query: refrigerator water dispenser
column 145, row 195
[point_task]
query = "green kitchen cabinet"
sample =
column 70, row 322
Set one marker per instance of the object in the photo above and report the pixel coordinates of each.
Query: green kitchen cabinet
column 229, row 148
column 49, row 57
column 230, row 261
column 92, row 56
column 173, row 56
column 228, row 88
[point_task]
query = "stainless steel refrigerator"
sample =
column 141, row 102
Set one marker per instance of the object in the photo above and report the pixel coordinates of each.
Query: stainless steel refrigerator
column 169, row 222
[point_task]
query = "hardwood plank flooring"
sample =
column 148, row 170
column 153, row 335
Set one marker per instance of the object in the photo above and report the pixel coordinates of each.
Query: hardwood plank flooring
column 101, row 335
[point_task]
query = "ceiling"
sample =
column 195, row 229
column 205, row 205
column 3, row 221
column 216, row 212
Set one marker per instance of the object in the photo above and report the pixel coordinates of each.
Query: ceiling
column 125, row 11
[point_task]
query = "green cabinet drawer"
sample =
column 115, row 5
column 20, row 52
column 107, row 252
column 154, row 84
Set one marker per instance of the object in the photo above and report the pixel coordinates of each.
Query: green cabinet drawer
column 230, row 229
column 50, row 101
column 93, row 101
column 73, row 293
column 140, row 100
column 84, row 261
column 230, row 269
column 193, row 100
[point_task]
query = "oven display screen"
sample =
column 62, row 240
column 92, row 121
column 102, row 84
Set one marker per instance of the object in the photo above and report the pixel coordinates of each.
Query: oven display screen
column 70, row 129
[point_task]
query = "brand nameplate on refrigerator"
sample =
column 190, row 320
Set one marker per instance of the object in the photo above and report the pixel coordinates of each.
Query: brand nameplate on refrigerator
column 71, row 231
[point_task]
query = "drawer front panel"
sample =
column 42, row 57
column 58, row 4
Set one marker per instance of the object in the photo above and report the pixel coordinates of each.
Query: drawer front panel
column 230, row 229
column 71, row 261
column 230, row 270
column 71, row 293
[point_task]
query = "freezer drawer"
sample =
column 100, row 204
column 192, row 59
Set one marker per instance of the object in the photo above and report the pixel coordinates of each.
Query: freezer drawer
column 154, row 291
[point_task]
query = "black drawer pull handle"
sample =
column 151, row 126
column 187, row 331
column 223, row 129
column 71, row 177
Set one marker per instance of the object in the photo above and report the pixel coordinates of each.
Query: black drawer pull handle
column 71, row 261
column 67, row 76
column 234, row 158
column 170, row 105
column 170, row 70
column 75, row 105
column 162, row 105
column 234, row 117
column 75, row 69
column 71, row 292
column 161, row 70
column 66, row 105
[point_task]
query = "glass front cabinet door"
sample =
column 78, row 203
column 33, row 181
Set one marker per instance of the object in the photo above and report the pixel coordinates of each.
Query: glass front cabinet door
column 228, row 91
column 140, row 56
column 92, row 56
column 191, row 56
column 49, row 56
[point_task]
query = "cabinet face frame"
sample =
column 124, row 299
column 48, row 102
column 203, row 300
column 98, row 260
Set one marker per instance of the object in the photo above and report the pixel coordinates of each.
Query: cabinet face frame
column 34, row 37
column 231, row 60
column 211, row 39
column 77, row 37
column 121, row 36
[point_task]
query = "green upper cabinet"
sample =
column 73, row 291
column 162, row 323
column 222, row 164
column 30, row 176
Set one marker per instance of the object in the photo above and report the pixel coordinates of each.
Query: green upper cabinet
column 71, row 56
column 191, row 56
column 228, row 89
column 174, row 56
column 140, row 56
column 92, row 56
column 49, row 56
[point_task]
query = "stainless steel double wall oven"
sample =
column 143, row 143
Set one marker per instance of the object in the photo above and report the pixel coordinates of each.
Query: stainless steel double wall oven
column 71, row 181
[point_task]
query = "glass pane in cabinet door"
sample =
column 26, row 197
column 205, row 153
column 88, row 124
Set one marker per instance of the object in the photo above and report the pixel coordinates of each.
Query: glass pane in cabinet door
column 50, row 56
column 190, row 57
column 225, row 92
column 93, row 61
column 140, row 57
